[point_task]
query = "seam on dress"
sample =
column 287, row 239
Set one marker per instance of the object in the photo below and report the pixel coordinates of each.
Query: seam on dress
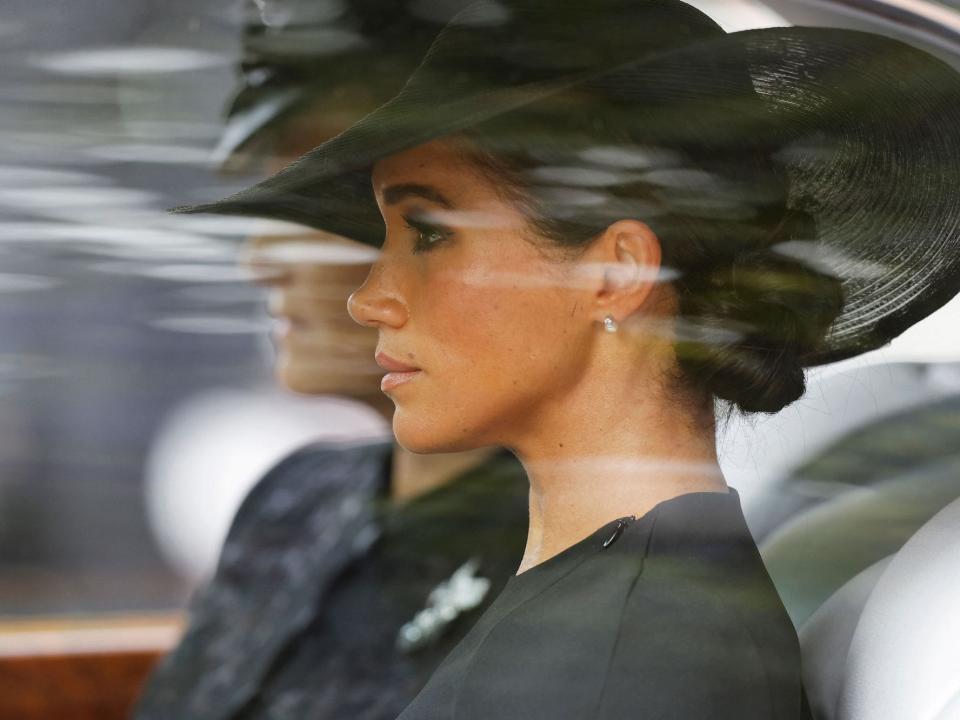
column 623, row 610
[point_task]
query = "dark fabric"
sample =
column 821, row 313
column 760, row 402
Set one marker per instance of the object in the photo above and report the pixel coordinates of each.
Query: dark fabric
column 676, row 618
column 318, row 574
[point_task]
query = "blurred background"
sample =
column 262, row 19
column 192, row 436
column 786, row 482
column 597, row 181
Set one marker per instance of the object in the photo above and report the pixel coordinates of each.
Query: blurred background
column 110, row 313
column 137, row 401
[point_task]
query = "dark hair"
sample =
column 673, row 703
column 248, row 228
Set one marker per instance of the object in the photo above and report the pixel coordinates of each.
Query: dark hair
column 747, row 312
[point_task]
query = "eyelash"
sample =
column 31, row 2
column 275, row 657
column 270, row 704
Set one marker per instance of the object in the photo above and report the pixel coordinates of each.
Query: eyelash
column 425, row 229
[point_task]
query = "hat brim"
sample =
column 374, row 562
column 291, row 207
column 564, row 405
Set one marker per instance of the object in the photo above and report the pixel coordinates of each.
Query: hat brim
column 875, row 159
column 329, row 187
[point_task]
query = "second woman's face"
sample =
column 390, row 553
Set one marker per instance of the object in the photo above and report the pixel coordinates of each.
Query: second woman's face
column 319, row 349
column 495, row 329
column 309, row 275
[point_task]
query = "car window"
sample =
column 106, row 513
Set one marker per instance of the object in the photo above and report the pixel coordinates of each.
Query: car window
column 141, row 402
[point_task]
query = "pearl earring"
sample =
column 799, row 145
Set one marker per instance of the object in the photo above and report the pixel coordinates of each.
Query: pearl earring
column 609, row 324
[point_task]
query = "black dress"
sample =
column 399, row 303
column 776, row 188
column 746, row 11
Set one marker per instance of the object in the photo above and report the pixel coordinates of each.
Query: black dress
column 319, row 575
column 671, row 615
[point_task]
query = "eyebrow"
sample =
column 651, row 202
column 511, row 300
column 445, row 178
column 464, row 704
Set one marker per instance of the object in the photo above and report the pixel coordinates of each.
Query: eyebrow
column 397, row 193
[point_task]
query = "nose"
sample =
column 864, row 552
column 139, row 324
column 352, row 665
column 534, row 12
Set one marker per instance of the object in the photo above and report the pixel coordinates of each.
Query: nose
column 377, row 302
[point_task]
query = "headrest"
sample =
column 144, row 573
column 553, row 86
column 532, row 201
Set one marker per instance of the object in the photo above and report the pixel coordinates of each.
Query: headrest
column 904, row 658
column 825, row 639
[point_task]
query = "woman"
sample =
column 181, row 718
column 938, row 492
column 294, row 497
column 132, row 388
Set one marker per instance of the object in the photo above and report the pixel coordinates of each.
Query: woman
column 600, row 221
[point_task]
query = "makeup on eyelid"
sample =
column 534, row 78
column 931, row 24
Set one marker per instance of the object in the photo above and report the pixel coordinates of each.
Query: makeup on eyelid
column 425, row 229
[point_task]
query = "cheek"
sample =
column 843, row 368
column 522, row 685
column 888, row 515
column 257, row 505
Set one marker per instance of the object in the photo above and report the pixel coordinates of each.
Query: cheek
column 317, row 296
column 498, row 330
column 325, row 350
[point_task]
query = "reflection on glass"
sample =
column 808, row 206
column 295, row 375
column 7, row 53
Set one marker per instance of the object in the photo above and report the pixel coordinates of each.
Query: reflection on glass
column 191, row 418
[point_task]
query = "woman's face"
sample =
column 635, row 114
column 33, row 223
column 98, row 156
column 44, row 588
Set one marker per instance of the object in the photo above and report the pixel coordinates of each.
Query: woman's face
column 497, row 330
column 309, row 275
column 319, row 349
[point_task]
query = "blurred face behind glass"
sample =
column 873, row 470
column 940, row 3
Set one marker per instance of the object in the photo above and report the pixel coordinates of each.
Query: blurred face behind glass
column 309, row 275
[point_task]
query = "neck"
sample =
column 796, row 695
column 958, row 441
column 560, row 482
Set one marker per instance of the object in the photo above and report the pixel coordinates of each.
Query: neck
column 571, row 497
column 609, row 453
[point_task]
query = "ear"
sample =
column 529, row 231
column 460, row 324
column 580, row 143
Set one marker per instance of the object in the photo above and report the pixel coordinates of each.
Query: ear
column 631, row 254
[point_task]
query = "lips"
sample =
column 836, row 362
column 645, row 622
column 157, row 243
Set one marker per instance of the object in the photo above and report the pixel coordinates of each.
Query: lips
column 392, row 365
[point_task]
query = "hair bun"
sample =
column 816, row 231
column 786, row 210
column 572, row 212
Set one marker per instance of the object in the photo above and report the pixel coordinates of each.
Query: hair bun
column 758, row 315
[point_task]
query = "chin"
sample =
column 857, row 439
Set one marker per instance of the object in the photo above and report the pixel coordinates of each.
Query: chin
column 291, row 378
column 431, row 436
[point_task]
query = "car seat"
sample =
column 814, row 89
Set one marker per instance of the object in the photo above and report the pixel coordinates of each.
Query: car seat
column 886, row 646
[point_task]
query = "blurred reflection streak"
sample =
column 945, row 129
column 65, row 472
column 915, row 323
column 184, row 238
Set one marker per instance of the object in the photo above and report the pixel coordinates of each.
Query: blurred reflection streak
column 126, row 61
column 218, row 295
column 277, row 14
column 829, row 259
column 210, row 324
column 19, row 367
column 582, row 279
column 72, row 196
column 179, row 272
column 21, row 282
column 19, row 176
column 138, row 216
column 582, row 177
column 170, row 129
column 60, row 93
column 116, row 240
column 199, row 273
column 631, row 157
column 301, row 252
column 166, row 154
column 156, row 220
column 147, row 252
column 46, row 148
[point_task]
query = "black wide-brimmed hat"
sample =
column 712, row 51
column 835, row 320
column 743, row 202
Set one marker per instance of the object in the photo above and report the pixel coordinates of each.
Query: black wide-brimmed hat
column 866, row 130
column 300, row 53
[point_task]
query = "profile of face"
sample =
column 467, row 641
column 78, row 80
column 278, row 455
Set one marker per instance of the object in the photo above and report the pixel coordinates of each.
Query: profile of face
column 500, row 332
column 309, row 275
column 319, row 349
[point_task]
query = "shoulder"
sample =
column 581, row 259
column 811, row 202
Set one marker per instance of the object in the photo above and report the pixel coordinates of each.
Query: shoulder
column 703, row 632
column 290, row 536
column 315, row 479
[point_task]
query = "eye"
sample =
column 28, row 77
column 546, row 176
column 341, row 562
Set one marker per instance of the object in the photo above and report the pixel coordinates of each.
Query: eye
column 428, row 234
